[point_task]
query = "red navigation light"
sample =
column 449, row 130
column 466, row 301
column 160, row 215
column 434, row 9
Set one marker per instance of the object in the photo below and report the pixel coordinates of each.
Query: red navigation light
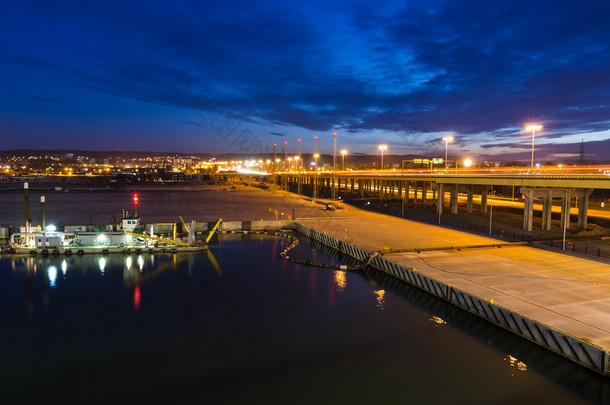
column 135, row 199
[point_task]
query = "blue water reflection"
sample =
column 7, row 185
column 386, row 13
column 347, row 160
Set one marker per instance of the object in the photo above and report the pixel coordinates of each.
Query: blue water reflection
column 239, row 324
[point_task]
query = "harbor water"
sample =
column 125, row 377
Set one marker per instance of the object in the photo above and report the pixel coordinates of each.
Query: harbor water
column 238, row 324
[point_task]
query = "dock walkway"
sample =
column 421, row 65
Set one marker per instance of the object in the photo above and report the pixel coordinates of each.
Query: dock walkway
column 567, row 293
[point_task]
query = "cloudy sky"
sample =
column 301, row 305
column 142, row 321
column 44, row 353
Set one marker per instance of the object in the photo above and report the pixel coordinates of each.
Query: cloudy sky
column 239, row 76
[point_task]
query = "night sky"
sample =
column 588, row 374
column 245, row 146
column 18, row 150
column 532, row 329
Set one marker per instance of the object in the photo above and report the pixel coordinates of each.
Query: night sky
column 237, row 76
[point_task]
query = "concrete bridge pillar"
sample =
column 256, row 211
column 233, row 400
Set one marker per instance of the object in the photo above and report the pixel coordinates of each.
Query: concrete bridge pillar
column 547, row 204
column 528, row 208
column 433, row 186
column 424, row 192
column 440, row 201
column 484, row 199
column 454, row 199
column 415, row 194
column 469, row 199
column 583, row 206
column 566, row 202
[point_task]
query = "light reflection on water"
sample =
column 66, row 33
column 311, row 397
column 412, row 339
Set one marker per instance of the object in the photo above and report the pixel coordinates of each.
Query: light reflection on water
column 380, row 297
column 52, row 274
column 239, row 324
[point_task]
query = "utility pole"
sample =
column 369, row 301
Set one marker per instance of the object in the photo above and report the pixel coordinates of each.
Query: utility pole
column 26, row 200
column 286, row 169
column 299, row 167
column 334, row 164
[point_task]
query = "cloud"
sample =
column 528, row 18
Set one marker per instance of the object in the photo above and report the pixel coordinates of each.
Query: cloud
column 477, row 69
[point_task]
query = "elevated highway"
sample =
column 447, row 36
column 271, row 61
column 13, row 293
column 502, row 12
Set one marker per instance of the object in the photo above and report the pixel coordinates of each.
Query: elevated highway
column 442, row 187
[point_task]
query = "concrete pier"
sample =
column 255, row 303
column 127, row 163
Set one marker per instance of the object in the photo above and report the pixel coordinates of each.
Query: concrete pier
column 556, row 300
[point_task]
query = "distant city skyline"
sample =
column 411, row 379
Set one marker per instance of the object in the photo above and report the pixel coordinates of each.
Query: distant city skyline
column 237, row 77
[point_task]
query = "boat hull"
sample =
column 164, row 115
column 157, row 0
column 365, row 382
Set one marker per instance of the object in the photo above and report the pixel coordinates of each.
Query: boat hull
column 106, row 250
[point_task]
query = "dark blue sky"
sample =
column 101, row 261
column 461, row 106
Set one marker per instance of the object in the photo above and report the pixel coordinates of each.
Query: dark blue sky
column 225, row 76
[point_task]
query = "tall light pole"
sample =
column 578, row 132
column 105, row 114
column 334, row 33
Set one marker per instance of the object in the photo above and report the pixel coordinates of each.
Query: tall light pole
column 334, row 164
column 274, row 155
column 315, row 179
column 447, row 139
column 382, row 148
column 533, row 128
column 298, row 167
column 334, row 151
column 285, row 153
column 343, row 153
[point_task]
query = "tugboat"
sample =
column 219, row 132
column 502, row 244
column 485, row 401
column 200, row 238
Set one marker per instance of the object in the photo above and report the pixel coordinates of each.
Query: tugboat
column 126, row 240
column 128, row 237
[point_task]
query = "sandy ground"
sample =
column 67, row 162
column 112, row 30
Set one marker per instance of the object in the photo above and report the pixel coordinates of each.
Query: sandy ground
column 156, row 206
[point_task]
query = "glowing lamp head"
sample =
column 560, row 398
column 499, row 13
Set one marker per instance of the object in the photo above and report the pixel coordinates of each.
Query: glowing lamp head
column 533, row 127
column 382, row 147
column 448, row 138
column 344, row 152
column 467, row 162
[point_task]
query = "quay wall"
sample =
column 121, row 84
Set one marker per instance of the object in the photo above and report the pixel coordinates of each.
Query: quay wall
column 577, row 350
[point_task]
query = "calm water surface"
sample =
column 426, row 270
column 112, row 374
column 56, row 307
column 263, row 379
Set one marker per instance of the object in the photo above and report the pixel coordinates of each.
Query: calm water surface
column 242, row 325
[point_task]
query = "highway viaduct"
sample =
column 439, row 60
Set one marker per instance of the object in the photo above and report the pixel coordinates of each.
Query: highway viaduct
column 419, row 186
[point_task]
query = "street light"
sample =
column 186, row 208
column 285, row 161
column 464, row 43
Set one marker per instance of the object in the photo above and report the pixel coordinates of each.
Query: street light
column 533, row 128
column 382, row 148
column 299, row 152
column 343, row 153
column 316, row 156
column 447, row 139
column 334, row 151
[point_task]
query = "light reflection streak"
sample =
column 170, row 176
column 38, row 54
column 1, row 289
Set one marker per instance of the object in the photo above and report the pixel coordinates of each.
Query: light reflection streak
column 52, row 275
column 340, row 280
column 380, row 297
column 128, row 262
column 514, row 362
column 64, row 266
column 437, row 320
column 140, row 262
column 136, row 297
column 102, row 263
